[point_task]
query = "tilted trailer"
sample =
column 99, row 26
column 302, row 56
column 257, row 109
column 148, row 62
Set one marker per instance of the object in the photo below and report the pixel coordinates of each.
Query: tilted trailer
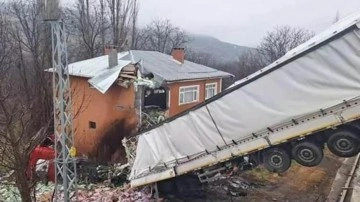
column 290, row 109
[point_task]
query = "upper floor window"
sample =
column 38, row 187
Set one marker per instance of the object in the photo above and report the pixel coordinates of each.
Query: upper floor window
column 210, row 90
column 188, row 94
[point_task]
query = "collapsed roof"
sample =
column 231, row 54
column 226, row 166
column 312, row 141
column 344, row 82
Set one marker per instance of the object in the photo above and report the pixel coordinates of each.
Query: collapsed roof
column 162, row 66
column 165, row 68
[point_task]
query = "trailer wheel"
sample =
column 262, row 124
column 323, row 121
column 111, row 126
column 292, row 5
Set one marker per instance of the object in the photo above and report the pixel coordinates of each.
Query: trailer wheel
column 276, row 160
column 307, row 154
column 344, row 143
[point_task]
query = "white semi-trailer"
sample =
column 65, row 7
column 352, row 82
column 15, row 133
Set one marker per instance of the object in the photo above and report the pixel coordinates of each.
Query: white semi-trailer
column 288, row 110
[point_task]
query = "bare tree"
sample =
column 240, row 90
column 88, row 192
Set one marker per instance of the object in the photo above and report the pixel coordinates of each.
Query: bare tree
column 279, row 41
column 274, row 45
column 32, row 38
column 201, row 58
column 24, row 119
column 103, row 22
column 162, row 36
column 247, row 63
column 92, row 24
column 135, row 12
column 87, row 26
column 122, row 14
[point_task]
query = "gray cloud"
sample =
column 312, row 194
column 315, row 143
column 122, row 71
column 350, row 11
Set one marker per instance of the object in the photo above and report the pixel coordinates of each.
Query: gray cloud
column 244, row 22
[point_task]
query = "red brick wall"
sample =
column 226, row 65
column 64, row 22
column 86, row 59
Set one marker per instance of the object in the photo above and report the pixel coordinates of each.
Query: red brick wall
column 116, row 106
column 175, row 107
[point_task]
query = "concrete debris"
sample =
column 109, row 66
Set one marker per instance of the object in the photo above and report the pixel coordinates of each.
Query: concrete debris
column 239, row 184
column 233, row 185
column 106, row 194
column 237, row 193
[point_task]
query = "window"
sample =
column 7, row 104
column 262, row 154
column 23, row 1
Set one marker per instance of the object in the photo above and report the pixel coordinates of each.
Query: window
column 92, row 125
column 188, row 94
column 210, row 90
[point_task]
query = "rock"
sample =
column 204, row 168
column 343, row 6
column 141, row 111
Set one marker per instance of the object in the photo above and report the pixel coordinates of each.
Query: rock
column 235, row 185
column 237, row 193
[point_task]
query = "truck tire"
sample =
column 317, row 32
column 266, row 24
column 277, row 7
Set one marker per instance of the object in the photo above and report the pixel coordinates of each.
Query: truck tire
column 344, row 143
column 276, row 160
column 307, row 154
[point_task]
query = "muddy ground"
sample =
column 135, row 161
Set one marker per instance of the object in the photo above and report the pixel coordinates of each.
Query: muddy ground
column 298, row 184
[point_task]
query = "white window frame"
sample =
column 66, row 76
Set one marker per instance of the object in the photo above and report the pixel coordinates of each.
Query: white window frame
column 197, row 94
column 220, row 88
column 169, row 99
column 215, row 90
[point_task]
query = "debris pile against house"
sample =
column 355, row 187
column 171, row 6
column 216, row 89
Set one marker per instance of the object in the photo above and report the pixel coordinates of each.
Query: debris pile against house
column 130, row 148
column 151, row 117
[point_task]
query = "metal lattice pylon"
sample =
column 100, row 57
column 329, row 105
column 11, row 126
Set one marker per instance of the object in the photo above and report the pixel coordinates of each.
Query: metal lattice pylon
column 65, row 169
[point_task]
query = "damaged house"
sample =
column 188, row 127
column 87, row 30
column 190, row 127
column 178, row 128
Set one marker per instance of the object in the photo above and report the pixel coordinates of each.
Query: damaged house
column 104, row 95
column 110, row 94
column 180, row 84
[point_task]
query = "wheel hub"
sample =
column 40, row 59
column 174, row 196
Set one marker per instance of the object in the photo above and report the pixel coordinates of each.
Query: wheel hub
column 276, row 160
column 344, row 144
column 306, row 154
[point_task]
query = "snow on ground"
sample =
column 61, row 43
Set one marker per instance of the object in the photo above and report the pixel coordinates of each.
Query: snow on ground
column 86, row 193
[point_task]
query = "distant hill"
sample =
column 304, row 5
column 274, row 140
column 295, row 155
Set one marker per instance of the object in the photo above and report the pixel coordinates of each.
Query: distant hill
column 223, row 51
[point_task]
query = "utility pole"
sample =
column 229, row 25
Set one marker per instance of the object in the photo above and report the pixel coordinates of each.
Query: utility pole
column 65, row 163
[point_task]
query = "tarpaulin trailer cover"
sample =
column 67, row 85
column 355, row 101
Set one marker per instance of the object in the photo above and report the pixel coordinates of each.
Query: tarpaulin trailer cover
column 318, row 74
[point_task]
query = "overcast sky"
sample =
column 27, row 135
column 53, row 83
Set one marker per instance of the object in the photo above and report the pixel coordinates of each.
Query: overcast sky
column 244, row 22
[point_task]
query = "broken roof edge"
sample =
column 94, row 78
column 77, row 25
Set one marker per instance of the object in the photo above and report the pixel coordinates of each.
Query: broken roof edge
column 106, row 78
column 191, row 68
column 50, row 70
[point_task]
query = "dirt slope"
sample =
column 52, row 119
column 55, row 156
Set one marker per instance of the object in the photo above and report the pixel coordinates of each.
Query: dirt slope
column 298, row 184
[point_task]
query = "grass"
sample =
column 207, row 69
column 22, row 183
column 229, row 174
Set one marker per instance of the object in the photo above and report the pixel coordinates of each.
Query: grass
column 261, row 174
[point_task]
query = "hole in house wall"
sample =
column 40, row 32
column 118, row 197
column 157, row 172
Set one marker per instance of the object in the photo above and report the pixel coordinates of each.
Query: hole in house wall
column 155, row 98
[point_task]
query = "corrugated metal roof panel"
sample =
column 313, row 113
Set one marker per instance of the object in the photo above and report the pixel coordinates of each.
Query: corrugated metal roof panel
column 92, row 67
column 107, row 77
column 165, row 67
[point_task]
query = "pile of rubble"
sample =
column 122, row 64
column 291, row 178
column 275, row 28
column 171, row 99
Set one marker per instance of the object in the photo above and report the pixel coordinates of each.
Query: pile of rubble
column 115, row 194
column 232, row 185
column 103, row 193
column 86, row 193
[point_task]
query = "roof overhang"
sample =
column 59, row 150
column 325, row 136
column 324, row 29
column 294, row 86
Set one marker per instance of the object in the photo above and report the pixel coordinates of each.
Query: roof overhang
column 200, row 79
